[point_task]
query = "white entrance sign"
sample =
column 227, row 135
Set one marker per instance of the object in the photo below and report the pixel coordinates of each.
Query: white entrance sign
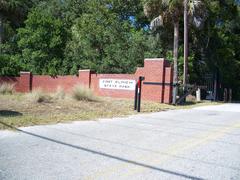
column 122, row 84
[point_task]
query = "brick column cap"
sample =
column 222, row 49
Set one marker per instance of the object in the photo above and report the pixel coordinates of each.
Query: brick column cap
column 154, row 59
column 25, row 72
column 82, row 70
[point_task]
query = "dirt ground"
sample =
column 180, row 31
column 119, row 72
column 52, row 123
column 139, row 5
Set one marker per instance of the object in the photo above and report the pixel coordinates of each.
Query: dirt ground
column 17, row 110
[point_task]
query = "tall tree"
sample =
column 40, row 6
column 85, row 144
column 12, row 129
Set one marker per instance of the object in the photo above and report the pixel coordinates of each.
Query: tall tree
column 130, row 9
column 104, row 42
column 166, row 10
column 15, row 11
column 185, row 69
column 197, row 11
column 42, row 43
column 220, row 42
column 170, row 10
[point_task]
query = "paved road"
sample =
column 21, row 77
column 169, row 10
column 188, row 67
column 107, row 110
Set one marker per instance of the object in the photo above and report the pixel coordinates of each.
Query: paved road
column 201, row 143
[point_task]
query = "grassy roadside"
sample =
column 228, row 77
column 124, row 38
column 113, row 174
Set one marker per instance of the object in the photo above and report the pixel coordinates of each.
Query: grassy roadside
column 17, row 111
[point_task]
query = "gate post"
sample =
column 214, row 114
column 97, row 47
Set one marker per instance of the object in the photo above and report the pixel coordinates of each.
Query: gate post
column 141, row 78
column 25, row 82
column 85, row 77
column 138, row 92
column 136, row 96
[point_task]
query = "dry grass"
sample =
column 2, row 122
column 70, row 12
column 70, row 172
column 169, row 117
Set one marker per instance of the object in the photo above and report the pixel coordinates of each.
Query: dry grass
column 59, row 94
column 6, row 88
column 38, row 96
column 17, row 110
column 81, row 93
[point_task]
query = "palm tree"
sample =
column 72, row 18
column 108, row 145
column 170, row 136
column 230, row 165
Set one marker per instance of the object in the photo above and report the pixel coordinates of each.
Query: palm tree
column 194, row 8
column 166, row 10
column 169, row 10
column 185, row 64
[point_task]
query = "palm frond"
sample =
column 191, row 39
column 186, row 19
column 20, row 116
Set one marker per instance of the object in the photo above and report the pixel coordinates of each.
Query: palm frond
column 165, row 2
column 193, row 5
column 198, row 12
column 156, row 22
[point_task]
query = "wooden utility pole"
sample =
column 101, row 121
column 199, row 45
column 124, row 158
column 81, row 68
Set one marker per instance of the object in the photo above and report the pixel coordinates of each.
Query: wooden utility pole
column 185, row 68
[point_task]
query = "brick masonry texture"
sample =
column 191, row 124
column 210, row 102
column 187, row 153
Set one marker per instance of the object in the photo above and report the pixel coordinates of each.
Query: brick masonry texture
column 157, row 87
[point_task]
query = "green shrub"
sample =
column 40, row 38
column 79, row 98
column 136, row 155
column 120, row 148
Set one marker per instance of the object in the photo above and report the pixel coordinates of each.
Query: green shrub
column 38, row 96
column 6, row 88
column 81, row 93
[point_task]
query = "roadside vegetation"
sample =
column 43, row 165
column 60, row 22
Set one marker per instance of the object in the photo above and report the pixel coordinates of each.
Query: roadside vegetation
column 6, row 88
column 39, row 107
column 83, row 94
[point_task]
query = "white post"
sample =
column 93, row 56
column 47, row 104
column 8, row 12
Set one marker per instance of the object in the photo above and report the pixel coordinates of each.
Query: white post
column 198, row 95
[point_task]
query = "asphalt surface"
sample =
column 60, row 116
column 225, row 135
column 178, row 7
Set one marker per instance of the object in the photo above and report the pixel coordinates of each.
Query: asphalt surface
column 200, row 143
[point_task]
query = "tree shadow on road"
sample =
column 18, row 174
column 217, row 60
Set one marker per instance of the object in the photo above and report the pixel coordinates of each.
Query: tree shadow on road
column 9, row 113
column 104, row 154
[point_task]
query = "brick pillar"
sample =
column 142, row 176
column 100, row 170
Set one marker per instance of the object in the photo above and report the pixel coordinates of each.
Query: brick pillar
column 25, row 82
column 85, row 77
column 168, row 85
column 154, row 73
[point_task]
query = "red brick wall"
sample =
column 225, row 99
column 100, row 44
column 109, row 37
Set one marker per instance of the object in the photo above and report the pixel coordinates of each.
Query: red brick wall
column 156, row 86
column 50, row 84
column 11, row 80
column 168, row 88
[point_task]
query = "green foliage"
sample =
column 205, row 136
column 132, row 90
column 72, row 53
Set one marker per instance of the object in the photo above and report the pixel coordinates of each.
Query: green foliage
column 159, row 43
column 15, row 10
column 9, row 64
column 131, row 9
column 41, row 42
column 105, row 36
column 103, row 42
column 216, row 45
